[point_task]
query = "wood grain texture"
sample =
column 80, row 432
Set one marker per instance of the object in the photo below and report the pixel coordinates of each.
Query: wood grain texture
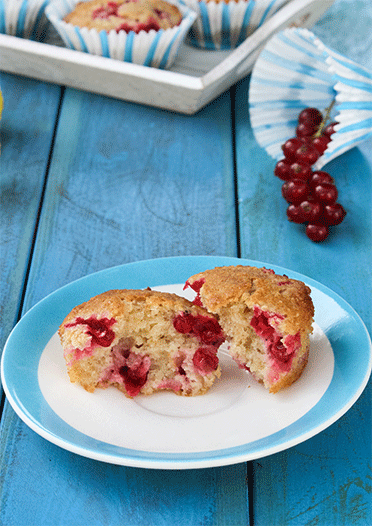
column 126, row 183
column 47, row 485
column 325, row 481
column 129, row 183
column 27, row 127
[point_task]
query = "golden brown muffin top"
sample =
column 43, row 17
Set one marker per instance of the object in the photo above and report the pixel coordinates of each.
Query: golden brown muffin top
column 224, row 286
column 116, row 303
column 128, row 15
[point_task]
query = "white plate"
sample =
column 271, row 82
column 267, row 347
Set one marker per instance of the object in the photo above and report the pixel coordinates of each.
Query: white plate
column 237, row 420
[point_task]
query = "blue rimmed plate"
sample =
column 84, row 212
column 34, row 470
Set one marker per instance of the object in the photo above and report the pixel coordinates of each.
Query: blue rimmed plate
column 165, row 431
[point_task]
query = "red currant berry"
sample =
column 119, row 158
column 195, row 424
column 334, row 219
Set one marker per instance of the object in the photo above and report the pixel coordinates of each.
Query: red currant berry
column 300, row 171
column 329, row 129
column 295, row 214
column 311, row 211
column 312, row 115
column 282, row 170
column 290, row 146
column 321, row 143
column 294, row 191
column 334, row 214
column 319, row 177
column 317, row 232
column 305, row 130
column 325, row 193
column 306, row 154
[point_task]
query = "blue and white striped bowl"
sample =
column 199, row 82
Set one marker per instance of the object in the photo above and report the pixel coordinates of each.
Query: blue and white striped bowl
column 296, row 70
column 153, row 48
column 225, row 25
column 23, row 18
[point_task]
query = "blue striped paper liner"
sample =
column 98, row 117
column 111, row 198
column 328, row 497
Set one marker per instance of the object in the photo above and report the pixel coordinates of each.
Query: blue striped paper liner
column 222, row 25
column 23, row 19
column 154, row 48
column 296, row 70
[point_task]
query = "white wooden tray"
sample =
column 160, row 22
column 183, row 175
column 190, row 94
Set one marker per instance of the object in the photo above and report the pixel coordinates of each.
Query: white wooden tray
column 196, row 78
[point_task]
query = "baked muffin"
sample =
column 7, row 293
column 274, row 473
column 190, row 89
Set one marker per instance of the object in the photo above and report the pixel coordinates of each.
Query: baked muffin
column 141, row 341
column 144, row 32
column 224, row 24
column 127, row 15
column 266, row 318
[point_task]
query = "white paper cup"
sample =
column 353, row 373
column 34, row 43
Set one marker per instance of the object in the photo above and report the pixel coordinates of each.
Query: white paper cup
column 296, row 70
column 221, row 25
column 23, row 18
column 153, row 48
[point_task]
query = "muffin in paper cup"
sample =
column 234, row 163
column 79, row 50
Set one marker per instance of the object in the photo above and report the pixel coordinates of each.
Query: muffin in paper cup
column 155, row 48
column 224, row 24
column 24, row 18
column 296, row 70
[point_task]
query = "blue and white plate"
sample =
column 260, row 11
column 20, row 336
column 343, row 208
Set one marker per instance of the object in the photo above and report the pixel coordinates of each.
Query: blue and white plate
column 236, row 421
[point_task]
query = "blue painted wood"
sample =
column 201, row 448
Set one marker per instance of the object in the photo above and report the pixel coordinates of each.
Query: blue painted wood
column 126, row 183
column 27, row 127
column 49, row 486
column 326, row 480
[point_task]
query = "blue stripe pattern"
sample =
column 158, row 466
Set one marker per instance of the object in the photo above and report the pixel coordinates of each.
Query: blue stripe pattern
column 246, row 20
column 165, row 57
column 129, row 47
column 226, row 25
column 296, row 70
column 206, row 26
column 286, row 104
column 2, row 17
column 267, row 10
column 21, row 26
column 297, row 85
column 125, row 47
column 226, row 42
column 345, row 146
column 359, row 70
column 21, row 22
column 104, row 44
column 358, row 84
column 83, row 45
column 37, row 26
column 355, row 105
column 152, row 49
column 303, row 69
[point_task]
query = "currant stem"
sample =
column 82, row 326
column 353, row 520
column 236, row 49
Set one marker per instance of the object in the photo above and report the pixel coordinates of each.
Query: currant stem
column 322, row 125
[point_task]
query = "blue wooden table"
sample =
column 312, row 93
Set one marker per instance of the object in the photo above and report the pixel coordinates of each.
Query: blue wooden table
column 89, row 182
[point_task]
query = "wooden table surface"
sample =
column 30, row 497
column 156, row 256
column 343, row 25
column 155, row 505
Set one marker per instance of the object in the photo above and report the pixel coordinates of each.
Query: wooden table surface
column 89, row 182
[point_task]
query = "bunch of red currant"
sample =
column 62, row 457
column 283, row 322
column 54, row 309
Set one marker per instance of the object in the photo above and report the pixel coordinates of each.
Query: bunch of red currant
column 312, row 196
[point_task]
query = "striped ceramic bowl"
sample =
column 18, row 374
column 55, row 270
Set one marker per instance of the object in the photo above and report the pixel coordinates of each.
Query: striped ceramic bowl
column 153, row 48
column 296, row 70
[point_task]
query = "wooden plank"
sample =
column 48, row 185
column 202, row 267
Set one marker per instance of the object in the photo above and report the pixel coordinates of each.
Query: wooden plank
column 325, row 480
column 27, row 127
column 126, row 183
column 129, row 183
